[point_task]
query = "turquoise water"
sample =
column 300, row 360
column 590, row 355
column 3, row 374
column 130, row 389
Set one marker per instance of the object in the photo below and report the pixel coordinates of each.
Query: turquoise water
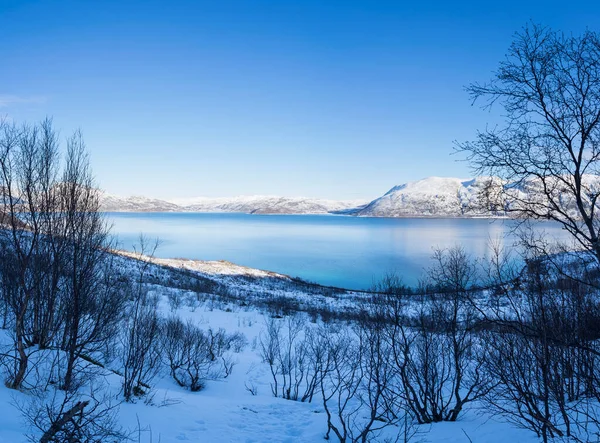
column 332, row 250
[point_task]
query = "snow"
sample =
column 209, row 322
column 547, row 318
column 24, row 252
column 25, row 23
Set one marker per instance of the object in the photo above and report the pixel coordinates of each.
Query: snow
column 429, row 197
column 432, row 196
column 225, row 410
column 114, row 203
column 479, row 196
column 246, row 204
column 258, row 286
column 207, row 267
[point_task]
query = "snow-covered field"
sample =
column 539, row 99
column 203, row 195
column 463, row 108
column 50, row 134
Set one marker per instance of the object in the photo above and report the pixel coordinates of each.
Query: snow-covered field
column 225, row 411
column 241, row 407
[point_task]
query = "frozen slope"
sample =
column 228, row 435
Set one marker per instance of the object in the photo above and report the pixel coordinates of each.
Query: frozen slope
column 432, row 196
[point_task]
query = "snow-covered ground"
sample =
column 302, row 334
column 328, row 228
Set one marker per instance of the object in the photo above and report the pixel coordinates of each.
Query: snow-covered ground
column 215, row 268
column 226, row 410
column 259, row 287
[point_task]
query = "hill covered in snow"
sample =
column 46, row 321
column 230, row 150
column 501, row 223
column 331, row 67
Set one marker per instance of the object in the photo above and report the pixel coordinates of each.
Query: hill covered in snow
column 434, row 196
column 113, row 203
column 269, row 205
column 429, row 197
column 242, row 204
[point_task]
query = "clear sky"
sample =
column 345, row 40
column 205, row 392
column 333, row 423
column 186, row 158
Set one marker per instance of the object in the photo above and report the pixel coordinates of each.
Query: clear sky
column 323, row 98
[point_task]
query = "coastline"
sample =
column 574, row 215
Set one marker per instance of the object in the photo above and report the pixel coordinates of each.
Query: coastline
column 328, row 214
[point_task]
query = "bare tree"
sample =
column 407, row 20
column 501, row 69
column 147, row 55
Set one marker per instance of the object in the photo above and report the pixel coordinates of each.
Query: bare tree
column 357, row 374
column 435, row 347
column 294, row 356
column 140, row 330
column 92, row 304
column 63, row 416
column 540, row 346
column 57, row 289
column 339, row 383
column 57, row 284
column 549, row 149
column 194, row 355
column 28, row 168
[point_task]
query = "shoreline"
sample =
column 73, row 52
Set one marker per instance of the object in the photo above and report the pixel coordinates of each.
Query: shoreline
column 224, row 268
column 329, row 214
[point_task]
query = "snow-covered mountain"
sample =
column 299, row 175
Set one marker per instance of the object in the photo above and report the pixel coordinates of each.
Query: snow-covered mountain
column 533, row 192
column 113, row 203
column 483, row 197
column 243, row 204
column 429, row 197
column 272, row 205
column 434, row 196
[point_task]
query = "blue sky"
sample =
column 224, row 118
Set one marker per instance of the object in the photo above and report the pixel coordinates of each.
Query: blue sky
column 332, row 99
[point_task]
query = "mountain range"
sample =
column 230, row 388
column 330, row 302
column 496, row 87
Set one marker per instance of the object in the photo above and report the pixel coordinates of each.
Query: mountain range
column 430, row 197
column 244, row 204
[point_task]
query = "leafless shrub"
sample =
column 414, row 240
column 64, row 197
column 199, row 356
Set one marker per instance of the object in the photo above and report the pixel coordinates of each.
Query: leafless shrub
column 355, row 382
column 541, row 347
column 139, row 353
column 293, row 358
column 194, row 355
column 252, row 389
column 62, row 416
column 175, row 300
column 432, row 343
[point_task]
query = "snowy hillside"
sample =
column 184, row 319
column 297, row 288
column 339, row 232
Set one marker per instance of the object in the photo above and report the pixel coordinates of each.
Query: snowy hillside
column 113, row 203
column 561, row 189
column 243, row 204
column 432, row 196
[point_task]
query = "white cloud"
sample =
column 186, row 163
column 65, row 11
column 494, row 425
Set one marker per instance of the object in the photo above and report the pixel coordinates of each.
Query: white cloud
column 10, row 100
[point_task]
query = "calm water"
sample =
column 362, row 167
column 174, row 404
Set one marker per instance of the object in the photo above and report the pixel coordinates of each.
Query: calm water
column 333, row 250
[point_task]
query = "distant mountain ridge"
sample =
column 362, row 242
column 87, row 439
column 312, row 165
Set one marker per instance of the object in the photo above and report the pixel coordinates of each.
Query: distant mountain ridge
column 429, row 197
column 113, row 203
column 242, row 204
